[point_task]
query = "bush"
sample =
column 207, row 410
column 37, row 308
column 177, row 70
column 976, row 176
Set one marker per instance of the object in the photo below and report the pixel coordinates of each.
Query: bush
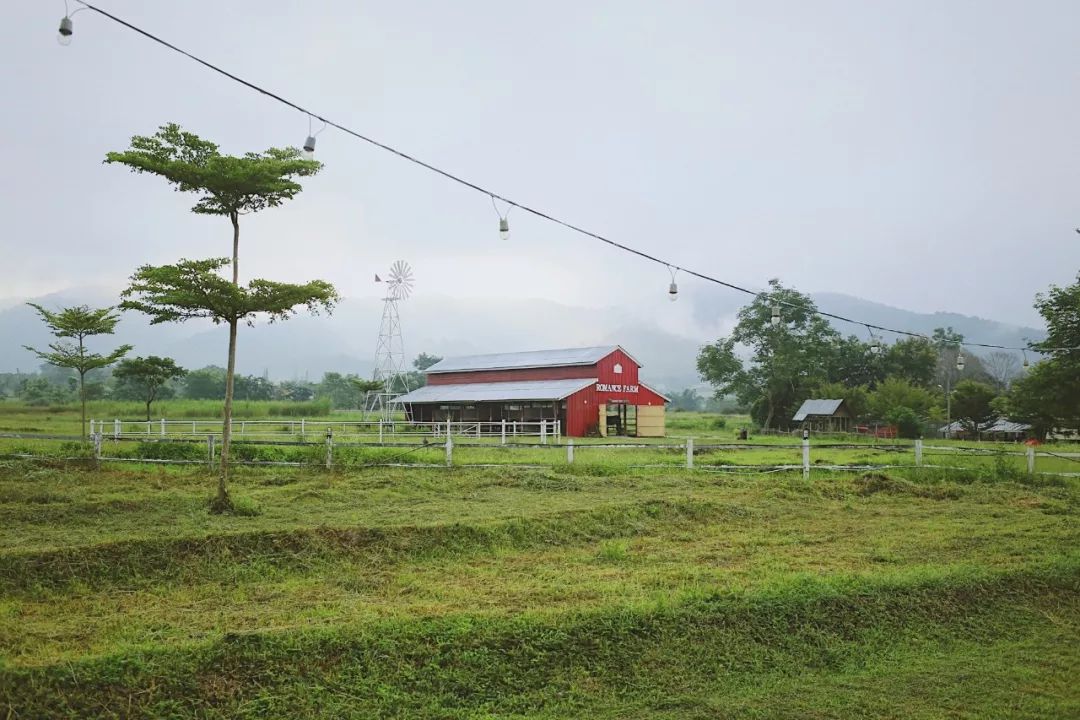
column 908, row 425
column 170, row 451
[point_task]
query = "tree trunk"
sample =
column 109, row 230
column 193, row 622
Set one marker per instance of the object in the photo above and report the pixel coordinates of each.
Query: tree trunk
column 82, row 403
column 148, row 410
column 222, row 503
column 768, row 416
column 235, row 248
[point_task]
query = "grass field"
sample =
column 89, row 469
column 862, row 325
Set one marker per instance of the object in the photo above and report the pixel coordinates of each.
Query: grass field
column 537, row 593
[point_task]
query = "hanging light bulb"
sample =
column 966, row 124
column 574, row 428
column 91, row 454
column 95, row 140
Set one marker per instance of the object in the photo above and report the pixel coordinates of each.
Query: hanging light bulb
column 960, row 360
column 64, row 35
column 504, row 222
column 308, row 151
column 875, row 346
column 673, row 292
column 775, row 315
column 1025, row 357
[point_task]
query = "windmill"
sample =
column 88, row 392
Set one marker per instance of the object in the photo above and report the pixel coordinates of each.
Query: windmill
column 390, row 366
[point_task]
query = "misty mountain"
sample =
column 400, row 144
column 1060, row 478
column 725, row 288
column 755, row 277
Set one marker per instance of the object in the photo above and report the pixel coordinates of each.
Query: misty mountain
column 306, row 347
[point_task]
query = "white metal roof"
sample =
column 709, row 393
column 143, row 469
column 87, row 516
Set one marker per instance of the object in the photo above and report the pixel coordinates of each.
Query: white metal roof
column 1000, row 426
column 536, row 358
column 496, row 391
column 816, row 407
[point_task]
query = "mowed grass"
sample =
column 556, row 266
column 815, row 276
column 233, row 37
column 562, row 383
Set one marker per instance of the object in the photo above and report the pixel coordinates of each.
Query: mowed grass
column 539, row 593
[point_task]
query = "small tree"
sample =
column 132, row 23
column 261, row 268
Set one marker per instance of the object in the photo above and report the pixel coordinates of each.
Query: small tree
column 972, row 404
column 148, row 375
column 79, row 323
column 229, row 186
column 193, row 289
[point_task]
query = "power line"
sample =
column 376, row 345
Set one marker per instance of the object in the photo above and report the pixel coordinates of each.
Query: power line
column 526, row 208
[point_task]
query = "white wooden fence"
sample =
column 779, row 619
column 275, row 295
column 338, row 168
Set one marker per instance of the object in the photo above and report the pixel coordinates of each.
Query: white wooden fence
column 304, row 429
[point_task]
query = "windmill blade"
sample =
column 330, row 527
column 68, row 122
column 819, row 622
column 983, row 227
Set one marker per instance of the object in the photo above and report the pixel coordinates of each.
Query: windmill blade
column 401, row 279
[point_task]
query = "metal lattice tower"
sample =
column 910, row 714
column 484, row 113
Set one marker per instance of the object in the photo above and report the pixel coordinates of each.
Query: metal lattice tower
column 390, row 363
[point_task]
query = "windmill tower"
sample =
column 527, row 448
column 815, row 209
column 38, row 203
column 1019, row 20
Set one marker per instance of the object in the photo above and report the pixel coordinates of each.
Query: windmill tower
column 390, row 365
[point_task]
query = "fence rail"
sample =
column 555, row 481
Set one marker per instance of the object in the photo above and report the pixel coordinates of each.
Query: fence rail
column 447, row 444
column 505, row 430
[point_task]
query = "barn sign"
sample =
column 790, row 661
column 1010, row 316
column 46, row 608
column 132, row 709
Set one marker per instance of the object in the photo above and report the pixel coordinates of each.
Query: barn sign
column 605, row 387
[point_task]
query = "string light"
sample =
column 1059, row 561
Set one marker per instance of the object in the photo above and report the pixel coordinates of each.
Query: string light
column 504, row 227
column 673, row 288
column 960, row 360
column 875, row 342
column 504, row 221
column 63, row 36
column 308, row 152
column 66, row 33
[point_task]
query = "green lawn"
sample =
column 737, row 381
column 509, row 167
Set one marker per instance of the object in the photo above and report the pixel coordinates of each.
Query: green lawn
column 537, row 593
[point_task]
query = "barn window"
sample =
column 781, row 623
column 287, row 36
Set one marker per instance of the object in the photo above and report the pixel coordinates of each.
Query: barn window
column 618, row 368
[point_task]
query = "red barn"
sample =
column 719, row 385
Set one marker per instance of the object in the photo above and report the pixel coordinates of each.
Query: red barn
column 591, row 391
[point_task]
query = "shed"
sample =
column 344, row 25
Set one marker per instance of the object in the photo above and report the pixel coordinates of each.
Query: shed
column 824, row 416
column 591, row 390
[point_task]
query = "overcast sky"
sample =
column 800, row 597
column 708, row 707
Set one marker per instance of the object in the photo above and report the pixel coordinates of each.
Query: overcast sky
column 922, row 154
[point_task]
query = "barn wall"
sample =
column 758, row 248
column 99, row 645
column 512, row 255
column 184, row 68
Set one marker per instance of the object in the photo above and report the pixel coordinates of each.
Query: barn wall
column 582, row 413
column 488, row 376
column 650, row 421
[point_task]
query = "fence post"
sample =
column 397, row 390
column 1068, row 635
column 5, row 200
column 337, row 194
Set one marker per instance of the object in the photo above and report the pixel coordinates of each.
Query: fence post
column 448, row 427
column 148, row 425
column 380, row 432
column 918, row 452
column 569, row 451
column 91, row 427
column 690, row 452
column 543, row 432
column 806, row 454
column 329, row 448
column 503, row 440
column 162, row 426
column 243, row 427
column 449, row 450
column 116, row 428
column 478, row 424
column 210, row 451
column 303, row 432
column 1031, row 460
column 97, row 447
column 558, row 429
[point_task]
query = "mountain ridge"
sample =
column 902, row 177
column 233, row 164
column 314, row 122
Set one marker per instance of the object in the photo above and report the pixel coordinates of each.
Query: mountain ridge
column 345, row 342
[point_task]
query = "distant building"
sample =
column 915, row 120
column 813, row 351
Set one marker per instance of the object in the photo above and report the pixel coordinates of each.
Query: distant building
column 590, row 391
column 824, row 416
column 1000, row 430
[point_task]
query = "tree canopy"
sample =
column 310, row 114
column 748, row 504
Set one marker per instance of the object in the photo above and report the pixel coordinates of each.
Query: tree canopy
column 147, row 376
column 786, row 359
column 226, row 184
column 192, row 289
column 78, row 323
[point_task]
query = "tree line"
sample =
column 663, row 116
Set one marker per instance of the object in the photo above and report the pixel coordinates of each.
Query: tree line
column 150, row 379
column 782, row 352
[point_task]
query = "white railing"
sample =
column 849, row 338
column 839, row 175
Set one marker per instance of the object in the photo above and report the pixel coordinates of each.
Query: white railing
column 304, row 429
